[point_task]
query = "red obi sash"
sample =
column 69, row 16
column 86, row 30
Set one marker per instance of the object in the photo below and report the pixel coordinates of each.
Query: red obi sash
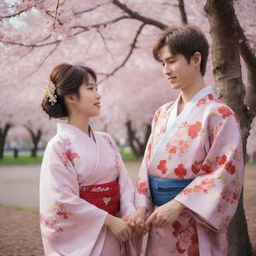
column 105, row 196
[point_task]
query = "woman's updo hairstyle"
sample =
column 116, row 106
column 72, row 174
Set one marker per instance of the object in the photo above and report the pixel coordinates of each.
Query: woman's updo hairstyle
column 66, row 79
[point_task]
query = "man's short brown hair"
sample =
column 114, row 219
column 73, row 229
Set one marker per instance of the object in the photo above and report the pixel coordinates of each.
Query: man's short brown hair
column 185, row 40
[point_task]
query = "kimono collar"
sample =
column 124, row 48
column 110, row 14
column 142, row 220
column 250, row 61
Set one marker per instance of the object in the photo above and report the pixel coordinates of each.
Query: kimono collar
column 70, row 130
column 200, row 94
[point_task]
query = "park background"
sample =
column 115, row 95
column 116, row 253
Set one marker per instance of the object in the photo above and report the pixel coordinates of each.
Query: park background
column 115, row 38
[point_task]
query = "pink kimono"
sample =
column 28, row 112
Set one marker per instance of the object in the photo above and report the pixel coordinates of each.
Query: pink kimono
column 202, row 143
column 70, row 225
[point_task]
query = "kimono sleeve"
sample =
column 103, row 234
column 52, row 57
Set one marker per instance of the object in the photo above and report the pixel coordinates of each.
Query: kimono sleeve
column 127, row 205
column 142, row 192
column 213, row 197
column 69, row 224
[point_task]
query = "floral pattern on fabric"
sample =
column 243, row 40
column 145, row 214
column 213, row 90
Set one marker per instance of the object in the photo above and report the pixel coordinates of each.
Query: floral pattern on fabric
column 142, row 187
column 59, row 213
column 68, row 154
column 114, row 150
column 187, row 238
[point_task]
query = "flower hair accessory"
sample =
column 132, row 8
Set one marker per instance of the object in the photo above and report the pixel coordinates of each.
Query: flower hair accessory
column 49, row 92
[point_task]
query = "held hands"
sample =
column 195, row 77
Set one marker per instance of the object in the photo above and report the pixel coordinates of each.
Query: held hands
column 165, row 214
column 137, row 220
column 119, row 227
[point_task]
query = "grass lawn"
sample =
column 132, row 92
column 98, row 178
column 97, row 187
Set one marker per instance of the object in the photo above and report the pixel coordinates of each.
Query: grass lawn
column 26, row 159
column 21, row 160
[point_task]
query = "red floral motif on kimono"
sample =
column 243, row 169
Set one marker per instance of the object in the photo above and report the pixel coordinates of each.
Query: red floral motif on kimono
column 204, row 186
column 225, row 111
column 68, row 155
column 60, row 213
column 187, row 238
column 156, row 116
column 180, row 171
column 171, row 149
column 142, row 187
column 182, row 144
column 221, row 160
column 149, row 149
column 206, row 168
column 114, row 150
column 230, row 196
column 162, row 166
column 46, row 222
column 230, row 168
column 61, row 210
column 196, row 167
column 194, row 129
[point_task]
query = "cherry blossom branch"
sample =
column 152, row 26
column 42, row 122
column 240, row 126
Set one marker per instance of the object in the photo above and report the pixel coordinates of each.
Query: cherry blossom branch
column 44, row 60
column 103, row 24
column 56, row 12
column 138, row 16
column 13, row 15
column 133, row 46
column 90, row 9
column 183, row 12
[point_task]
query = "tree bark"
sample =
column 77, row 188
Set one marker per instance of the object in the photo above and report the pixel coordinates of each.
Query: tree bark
column 230, row 88
column 136, row 145
column 3, row 135
column 36, row 137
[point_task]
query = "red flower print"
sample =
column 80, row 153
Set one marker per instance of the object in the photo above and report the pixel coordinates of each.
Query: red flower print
column 179, row 249
column 225, row 111
column 63, row 214
column 194, row 129
column 180, row 171
column 162, row 166
column 210, row 96
column 142, row 188
column 176, row 226
column 187, row 191
column 195, row 167
column 222, row 160
column 206, row 168
column 148, row 155
column 68, row 156
column 193, row 251
column 171, row 149
column 156, row 116
column 229, row 167
column 182, row 145
column 201, row 102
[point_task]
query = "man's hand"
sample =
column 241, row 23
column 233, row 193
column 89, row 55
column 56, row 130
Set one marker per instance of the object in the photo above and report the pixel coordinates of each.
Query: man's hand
column 165, row 214
column 137, row 220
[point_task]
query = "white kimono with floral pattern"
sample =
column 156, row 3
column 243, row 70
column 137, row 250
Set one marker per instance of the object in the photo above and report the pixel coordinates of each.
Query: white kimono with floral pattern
column 70, row 225
column 202, row 143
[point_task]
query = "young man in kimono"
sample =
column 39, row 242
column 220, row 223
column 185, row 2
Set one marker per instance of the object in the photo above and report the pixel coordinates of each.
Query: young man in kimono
column 191, row 176
column 84, row 187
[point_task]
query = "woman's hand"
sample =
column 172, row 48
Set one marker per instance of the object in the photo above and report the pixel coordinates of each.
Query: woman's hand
column 166, row 214
column 137, row 220
column 120, row 228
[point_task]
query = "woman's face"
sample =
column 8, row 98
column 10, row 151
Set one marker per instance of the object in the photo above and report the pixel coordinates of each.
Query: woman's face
column 88, row 102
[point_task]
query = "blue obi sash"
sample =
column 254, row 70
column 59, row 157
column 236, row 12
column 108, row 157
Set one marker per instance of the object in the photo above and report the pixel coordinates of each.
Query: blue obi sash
column 164, row 190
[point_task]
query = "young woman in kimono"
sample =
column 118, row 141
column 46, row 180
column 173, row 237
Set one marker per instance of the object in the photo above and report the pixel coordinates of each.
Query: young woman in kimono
column 192, row 172
column 84, row 186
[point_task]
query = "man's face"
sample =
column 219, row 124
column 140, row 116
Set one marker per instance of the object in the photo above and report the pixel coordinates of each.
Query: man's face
column 176, row 69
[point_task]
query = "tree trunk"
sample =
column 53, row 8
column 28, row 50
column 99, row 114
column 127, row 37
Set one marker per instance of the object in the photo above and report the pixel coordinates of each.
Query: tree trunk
column 35, row 137
column 137, row 147
column 3, row 135
column 230, row 88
